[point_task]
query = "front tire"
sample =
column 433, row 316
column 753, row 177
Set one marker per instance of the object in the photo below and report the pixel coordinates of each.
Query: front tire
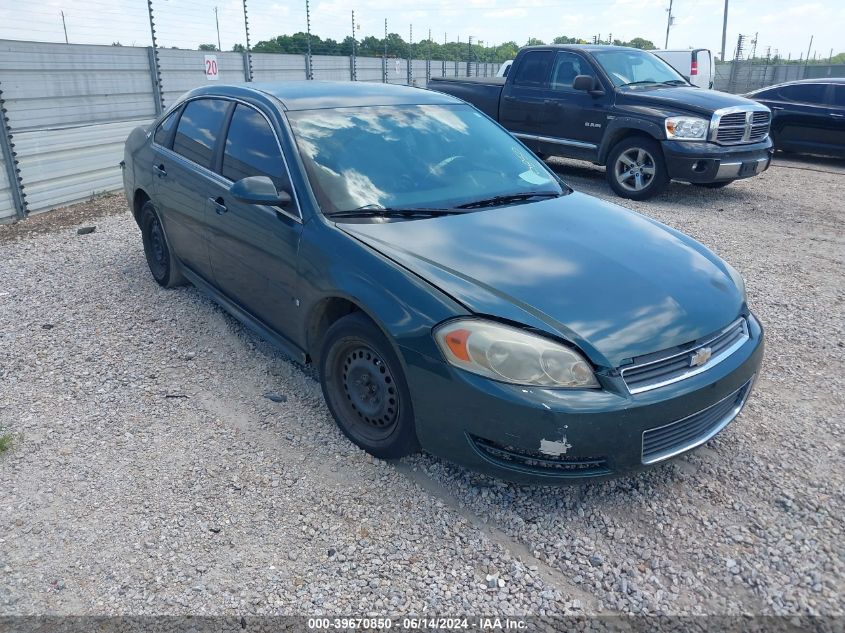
column 160, row 260
column 636, row 168
column 365, row 388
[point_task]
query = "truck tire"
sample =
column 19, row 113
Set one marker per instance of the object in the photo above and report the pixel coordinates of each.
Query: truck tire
column 636, row 168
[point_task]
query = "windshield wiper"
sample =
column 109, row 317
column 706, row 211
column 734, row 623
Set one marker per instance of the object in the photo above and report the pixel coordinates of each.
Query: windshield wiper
column 641, row 82
column 507, row 199
column 398, row 212
column 676, row 82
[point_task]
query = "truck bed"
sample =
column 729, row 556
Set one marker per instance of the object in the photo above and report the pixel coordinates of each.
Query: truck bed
column 482, row 92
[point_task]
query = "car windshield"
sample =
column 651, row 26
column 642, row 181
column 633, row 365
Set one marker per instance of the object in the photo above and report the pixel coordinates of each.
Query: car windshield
column 626, row 67
column 413, row 156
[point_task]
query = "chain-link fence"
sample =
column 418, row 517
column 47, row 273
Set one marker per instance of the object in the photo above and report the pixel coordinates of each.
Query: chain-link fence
column 741, row 76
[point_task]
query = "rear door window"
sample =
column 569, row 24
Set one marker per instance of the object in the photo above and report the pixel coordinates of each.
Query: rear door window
column 534, row 69
column 804, row 93
column 198, row 129
column 838, row 98
column 252, row 149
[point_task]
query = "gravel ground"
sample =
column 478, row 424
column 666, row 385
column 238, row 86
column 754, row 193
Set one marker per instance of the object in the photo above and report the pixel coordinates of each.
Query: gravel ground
column 150, row 474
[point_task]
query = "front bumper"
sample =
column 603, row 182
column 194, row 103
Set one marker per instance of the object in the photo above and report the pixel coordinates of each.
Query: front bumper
column 708, row 162
column 534, row 435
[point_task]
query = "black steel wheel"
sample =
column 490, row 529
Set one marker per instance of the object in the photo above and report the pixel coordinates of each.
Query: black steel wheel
column 365, row 388
column 159, row 258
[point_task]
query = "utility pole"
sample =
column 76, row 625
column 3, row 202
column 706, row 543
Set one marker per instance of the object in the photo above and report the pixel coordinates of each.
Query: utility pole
column 808, row 48
column 64, row 26
column 217, row 23
column 724, row 30
column 668, row 24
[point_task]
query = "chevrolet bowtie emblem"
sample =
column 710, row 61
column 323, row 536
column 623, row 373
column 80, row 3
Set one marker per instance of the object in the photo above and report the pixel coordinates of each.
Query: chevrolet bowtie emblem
column 700, row 357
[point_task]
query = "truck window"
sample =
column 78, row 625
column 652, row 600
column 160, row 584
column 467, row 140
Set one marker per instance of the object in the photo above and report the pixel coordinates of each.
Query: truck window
column 567, row 67
column 534, row 69
column 839, row 95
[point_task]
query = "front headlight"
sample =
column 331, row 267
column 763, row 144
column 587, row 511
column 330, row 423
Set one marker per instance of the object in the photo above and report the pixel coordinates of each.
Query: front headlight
column 512, row 355
column 684, row 128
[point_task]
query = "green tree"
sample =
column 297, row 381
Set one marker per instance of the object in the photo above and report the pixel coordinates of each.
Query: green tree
column 207, row 47
column 533, row 41
column 639, row 42
column 238, row 48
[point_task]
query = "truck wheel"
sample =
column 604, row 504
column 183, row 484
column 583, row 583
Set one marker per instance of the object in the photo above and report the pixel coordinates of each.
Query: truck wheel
column 636, row 168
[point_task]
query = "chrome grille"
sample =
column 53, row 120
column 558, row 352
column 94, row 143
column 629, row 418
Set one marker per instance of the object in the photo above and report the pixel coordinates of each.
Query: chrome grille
column 682, row 435
column 745, row 126
column 651, row 373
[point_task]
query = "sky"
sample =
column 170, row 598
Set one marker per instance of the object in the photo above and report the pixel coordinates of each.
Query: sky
column 783, row 26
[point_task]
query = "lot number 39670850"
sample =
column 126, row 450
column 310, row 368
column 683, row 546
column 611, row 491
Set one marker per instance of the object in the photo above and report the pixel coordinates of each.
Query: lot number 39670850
column 211, row 70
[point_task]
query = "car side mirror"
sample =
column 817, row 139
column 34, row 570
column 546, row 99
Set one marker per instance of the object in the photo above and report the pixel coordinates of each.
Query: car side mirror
column 259, row 190
column 588, row 85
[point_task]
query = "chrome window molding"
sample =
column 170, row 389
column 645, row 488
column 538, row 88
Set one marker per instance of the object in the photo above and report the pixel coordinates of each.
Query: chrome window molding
column 553, row 139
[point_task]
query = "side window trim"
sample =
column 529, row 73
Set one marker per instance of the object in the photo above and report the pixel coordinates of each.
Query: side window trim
column 584, row 63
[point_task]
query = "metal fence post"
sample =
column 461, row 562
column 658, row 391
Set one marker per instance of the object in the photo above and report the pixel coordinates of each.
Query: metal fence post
column 247, row 53
column 155, row 76
column 308, row 74
column 155, row 66
column 7, row 147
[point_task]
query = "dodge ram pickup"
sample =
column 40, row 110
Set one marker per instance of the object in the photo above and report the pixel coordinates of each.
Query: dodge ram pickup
column 626, row 109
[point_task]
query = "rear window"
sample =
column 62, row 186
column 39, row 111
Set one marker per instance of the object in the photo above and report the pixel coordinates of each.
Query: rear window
column 839, row 95
column 534, row 69
column 804, row 93
column 199, row 127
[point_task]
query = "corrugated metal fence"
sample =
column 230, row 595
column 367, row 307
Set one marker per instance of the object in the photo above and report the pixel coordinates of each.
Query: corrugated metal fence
column 744, row 76
column 69, row 108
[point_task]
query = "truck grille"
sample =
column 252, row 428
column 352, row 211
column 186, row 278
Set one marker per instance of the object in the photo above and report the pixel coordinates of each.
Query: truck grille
column 539, row 463
column 651, row 373
column 675, row 438
column 734, row 128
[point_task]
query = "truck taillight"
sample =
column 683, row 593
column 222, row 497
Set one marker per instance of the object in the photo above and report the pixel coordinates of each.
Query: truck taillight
column 693, row 68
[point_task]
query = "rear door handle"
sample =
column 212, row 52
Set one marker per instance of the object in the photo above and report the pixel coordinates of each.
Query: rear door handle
column 838, row 116
column 219, row 206
column 159, row 170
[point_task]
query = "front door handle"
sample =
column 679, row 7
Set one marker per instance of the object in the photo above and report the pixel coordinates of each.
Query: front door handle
column 219, row 206
column 159, row 170
column 777, row 108
column 838, row 116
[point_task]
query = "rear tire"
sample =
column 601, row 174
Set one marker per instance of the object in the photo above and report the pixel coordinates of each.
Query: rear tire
column 636, row 168
column 160, row 259
column 365, row 388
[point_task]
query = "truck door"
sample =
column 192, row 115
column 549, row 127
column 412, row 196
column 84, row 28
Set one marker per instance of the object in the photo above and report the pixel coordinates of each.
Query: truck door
column 523, row 109
column 578, row 118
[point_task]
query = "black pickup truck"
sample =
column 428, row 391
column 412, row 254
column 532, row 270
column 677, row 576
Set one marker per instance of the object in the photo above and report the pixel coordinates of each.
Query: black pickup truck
column 626, row 109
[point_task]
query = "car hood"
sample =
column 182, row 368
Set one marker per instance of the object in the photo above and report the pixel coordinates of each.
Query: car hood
column 615, row 283
column 683, row 98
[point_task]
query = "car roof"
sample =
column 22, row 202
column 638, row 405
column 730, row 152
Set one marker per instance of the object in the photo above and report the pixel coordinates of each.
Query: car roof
column 313, row 95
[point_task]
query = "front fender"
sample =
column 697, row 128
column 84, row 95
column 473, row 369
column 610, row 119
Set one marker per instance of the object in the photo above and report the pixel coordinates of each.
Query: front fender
column 334, row 264
column 622, row 126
